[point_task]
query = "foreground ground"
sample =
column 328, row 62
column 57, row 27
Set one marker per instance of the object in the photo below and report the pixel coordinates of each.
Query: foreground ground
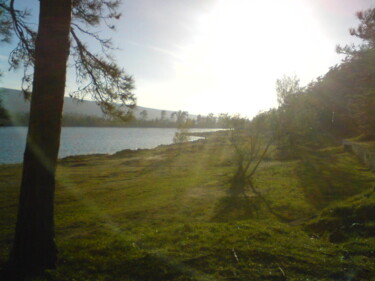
column 164, row 214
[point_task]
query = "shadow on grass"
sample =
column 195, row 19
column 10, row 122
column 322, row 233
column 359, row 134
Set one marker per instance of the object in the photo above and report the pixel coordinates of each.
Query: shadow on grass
column 231, row 208
column 143, row 267
column 155, row 267
column 17, row 274
column 331, row 175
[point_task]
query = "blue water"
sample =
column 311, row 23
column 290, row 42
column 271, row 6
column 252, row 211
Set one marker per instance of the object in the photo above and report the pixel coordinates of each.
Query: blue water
column 85, row 140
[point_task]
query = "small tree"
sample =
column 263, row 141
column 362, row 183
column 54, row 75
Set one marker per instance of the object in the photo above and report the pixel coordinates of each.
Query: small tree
column 181, row 134
column 251, row 145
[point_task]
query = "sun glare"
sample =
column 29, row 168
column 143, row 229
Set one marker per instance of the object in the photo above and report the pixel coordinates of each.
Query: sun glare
column 241, row 45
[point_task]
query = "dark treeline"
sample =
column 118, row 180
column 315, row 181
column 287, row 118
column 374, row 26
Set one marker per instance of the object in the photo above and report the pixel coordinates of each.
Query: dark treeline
column 175, row 120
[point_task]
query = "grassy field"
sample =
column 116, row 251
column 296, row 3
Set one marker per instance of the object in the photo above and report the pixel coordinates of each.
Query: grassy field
column 164, row 214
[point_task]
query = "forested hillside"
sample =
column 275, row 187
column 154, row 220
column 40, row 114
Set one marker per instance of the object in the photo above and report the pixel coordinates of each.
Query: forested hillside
column 337, row 105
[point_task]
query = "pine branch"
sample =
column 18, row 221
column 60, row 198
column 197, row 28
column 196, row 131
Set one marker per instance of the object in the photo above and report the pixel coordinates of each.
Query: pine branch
column 103, row 79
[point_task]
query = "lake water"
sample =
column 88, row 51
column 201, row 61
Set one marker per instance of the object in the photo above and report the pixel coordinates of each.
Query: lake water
column 84, row 140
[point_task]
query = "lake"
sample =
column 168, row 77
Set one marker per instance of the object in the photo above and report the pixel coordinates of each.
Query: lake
column 88, row 140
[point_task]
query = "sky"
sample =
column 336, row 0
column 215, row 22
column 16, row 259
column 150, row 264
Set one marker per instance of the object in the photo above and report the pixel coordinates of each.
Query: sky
column 220, row 56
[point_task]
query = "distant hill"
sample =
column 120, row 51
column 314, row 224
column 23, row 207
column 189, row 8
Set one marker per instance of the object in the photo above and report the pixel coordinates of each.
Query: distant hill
column 14, row 102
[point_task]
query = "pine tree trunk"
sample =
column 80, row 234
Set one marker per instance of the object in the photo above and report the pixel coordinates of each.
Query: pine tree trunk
column 34, row 245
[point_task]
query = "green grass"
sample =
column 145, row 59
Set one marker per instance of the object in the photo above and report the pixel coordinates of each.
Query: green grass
column 332, row 175
column 164, row 214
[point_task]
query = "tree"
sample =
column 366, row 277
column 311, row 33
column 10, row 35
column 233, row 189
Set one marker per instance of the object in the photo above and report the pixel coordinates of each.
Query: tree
column 224, row 120
column 364, row 31
column 286, row 87
column 366, row 28
column 3, row 111
column 143, row 114
column 61, row 22
column 163, row 114
column 211, row 120
column 359, row 66
column 290, row 116
column 181, row 116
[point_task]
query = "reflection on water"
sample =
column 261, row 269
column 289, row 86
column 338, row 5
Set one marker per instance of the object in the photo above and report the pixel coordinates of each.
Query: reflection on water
column 82, row 140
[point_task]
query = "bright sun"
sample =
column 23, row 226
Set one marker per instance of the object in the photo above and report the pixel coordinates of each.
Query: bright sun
column 242, row 45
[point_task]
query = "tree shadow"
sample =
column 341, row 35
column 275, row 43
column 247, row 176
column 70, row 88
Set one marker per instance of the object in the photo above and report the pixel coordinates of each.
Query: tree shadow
column 327, row 176
column 157, row 267
column 232, row 207
column 145, row 266
column 10, row 273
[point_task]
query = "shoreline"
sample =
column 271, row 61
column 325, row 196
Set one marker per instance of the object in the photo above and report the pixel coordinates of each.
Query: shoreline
column 202, row 137
column 140, row 138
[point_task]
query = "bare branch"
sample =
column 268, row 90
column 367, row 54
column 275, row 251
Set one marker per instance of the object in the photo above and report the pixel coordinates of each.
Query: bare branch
column 105, row 44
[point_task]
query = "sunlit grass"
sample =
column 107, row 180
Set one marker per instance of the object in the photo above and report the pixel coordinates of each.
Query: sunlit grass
column 155, row 215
